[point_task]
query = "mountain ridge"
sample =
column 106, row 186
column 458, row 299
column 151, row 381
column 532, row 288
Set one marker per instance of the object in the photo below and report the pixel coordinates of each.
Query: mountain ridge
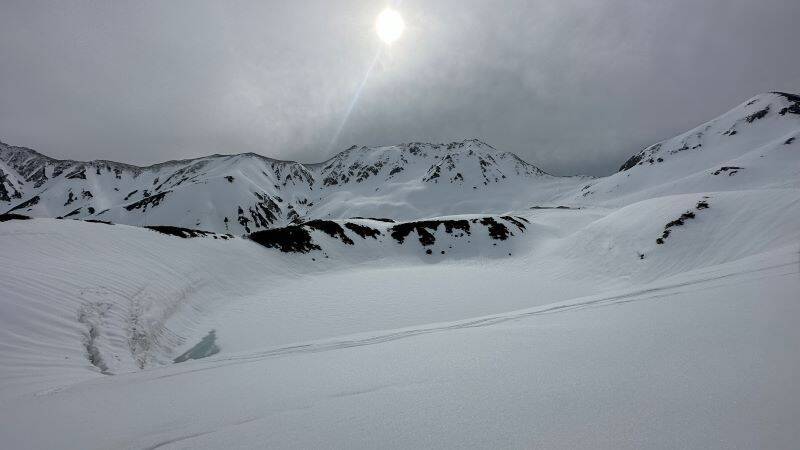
column 270, row 192
column 247, row 192
column 5, row 146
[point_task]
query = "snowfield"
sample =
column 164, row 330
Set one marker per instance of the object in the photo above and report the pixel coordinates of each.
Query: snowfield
column 698, row 361
column 654, row 308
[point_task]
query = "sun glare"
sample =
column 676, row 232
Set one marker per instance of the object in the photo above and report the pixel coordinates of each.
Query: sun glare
column 390, row 26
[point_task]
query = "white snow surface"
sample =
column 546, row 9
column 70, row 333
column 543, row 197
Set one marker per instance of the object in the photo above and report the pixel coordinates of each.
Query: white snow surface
column 579, row 330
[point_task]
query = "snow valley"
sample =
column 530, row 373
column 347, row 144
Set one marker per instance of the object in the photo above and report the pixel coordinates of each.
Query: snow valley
column 417, row 295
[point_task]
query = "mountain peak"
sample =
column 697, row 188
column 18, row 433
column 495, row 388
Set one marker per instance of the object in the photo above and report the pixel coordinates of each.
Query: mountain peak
column 751, row 120
column 245, row 192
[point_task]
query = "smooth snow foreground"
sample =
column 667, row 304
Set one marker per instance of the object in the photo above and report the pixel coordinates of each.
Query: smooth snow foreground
column 701, row 360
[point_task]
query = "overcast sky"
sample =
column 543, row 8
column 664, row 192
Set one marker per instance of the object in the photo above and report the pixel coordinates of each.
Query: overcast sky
column 573, row 86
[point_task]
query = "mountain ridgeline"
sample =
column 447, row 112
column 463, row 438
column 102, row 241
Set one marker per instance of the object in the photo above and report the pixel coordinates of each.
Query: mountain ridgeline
column 246, row 193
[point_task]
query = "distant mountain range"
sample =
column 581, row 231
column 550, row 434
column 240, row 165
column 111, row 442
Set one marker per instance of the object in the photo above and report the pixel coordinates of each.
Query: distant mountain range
column 247, row 192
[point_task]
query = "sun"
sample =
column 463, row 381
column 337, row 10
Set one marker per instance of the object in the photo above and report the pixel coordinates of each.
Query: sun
column 389, row 25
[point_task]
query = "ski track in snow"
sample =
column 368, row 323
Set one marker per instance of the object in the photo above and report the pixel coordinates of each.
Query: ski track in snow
column 778, row 267
column 659, row 292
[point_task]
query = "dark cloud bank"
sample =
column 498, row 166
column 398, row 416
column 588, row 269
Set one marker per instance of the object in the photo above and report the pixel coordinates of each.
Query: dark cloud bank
column 570, row 85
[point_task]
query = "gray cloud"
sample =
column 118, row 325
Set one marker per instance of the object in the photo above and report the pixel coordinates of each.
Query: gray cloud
column 574, row 86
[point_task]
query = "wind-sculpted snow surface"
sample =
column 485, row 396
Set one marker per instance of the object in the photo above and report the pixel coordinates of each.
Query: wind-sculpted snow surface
column 416, row 296
column 697, row 361
column 119, row 298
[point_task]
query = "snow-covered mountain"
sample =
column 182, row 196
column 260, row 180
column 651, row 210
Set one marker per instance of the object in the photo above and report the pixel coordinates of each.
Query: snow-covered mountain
column 421, row 295
column 247, row 192
column 753, row 145
column 749, row 146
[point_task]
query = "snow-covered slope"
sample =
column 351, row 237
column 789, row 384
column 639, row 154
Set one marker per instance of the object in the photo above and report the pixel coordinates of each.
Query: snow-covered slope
column 351, row 355
column 408, row 296
column 755, row 145
column 130, row 297
column 121, row 298
column 245, row 193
